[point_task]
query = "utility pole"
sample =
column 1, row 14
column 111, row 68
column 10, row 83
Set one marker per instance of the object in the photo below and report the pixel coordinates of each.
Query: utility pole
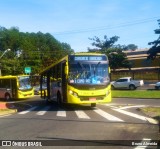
column 1, row 57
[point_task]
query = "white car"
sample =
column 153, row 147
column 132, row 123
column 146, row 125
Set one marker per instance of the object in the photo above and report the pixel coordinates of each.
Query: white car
column 157, row 86
column 37, row 90
column 126, row 83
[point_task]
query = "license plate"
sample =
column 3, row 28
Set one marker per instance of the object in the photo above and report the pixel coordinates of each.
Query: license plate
column 92, row 99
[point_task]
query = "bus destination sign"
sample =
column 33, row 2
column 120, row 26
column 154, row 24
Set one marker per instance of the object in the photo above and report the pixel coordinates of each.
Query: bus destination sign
column 88, row 58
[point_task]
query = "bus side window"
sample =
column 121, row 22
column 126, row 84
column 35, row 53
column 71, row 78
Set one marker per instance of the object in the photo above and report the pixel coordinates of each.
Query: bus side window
column 59, row 70
column 5, row 83
column 1, row 83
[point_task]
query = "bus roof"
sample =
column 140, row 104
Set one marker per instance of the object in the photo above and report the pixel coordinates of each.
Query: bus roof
column 85, row 53
column 11, row 77
column 45, row 70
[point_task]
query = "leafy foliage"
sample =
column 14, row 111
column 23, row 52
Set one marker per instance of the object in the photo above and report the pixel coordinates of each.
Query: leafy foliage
column 155, row 49
column 131, row 47
column 35, row 50
column 115, row 53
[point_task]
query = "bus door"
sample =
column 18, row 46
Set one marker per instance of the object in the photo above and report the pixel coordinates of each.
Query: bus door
column 64, row 83
column 54, row 90
column 14, row 88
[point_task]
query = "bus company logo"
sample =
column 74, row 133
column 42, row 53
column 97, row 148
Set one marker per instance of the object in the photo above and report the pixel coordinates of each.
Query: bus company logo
column 6, row 143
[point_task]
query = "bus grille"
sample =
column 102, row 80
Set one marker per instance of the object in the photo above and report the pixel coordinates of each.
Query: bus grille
column 89, row 87
column 86, row 98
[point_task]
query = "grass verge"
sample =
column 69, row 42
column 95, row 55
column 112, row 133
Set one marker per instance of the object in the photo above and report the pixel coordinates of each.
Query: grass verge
column 136, row 94
column 152, row 112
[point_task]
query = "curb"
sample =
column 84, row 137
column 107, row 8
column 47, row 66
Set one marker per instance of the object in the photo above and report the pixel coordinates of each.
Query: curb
column 7, row 108
column 3, row 105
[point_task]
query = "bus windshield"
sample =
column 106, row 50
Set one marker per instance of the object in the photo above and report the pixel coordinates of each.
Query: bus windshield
column 24, row 82
column 88, row 73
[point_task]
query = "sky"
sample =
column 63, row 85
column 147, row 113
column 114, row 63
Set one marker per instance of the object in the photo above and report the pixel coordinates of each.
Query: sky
column 75, row 21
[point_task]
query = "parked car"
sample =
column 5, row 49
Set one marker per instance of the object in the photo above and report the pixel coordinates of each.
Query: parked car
column 157, row 86
column 126, row 83
column 37, row 90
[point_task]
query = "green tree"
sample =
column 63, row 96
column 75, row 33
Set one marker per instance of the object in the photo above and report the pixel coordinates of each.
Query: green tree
column 131, row 47
column 117, row 58
column 102, row 45
column 36, row 50
column 155, row 49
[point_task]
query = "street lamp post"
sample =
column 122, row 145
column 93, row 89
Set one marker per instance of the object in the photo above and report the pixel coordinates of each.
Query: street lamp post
column 1, row 57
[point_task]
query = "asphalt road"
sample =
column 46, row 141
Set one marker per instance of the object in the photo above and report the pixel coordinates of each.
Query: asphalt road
column 106, row 126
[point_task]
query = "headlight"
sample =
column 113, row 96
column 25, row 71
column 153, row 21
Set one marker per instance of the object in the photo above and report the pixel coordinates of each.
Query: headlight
column 107, row 93
column 73, row 93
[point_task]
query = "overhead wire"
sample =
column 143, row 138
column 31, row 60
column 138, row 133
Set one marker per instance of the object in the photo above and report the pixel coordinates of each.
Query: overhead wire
column 135, row 22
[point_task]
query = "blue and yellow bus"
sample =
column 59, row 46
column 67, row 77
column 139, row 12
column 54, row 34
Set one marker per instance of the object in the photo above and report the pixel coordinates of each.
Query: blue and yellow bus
column 81, row 78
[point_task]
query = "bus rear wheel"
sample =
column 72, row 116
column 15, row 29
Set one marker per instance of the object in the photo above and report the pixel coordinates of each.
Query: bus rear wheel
column 59, row 98
column 93, row 104
column 7, row 97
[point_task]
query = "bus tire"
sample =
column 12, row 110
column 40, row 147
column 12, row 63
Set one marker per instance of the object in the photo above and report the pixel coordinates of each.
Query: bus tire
column 47, row 101
column 93, row 105
column 7, row 97
column 59, row 100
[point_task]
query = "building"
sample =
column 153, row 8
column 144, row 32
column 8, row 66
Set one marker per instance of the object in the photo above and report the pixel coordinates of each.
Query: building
column 139, row 59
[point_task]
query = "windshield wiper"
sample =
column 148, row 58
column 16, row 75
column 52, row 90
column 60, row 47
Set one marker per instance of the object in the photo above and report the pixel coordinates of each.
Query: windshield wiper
column 81, row 66
column 95, row 68
column 98, row 64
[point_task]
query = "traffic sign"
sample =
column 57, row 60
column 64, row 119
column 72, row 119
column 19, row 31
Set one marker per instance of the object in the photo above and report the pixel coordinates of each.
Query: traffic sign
column 27, row 70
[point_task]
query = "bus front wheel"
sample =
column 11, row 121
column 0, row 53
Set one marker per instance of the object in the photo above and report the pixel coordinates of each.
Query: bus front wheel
column 7, row 97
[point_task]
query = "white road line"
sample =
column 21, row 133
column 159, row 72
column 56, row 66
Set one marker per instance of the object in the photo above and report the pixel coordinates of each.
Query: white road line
column 111, row 106
column 136, row 116
column 107, row 115
column 5, row 115
column 43, row 111
column 136, row 106
column 29, row 110
column 81, row 114
column 143, row 146
column 61, row 113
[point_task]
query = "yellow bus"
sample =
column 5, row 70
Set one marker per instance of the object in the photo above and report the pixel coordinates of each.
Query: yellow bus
column 80, row 78
column 15, row 87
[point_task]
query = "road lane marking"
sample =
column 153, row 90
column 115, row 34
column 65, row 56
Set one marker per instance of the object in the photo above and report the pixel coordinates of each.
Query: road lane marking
column 81, row 114
column 143, row 146
column 29, row 110
column 136, row 116
column 135, row 106
column 43, row 111
column 111, row 106
column 107, row 115
column 5, row 115
column 61, row 113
